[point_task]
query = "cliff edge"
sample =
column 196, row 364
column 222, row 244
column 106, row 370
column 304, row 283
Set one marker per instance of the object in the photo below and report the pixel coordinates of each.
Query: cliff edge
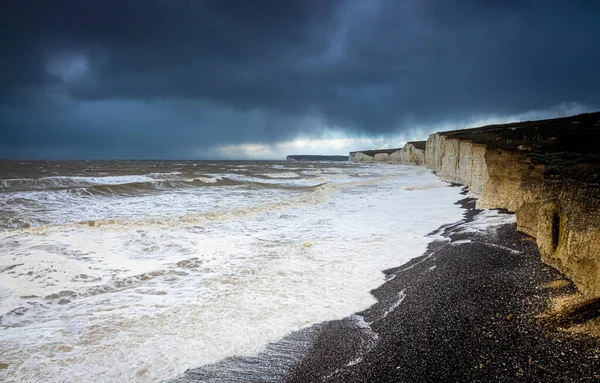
column 546, row 171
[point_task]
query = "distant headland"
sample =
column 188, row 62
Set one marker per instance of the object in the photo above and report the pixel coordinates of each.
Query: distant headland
column 307, row 157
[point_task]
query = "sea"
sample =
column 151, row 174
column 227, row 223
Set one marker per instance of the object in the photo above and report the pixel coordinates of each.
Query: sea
column 136, row 271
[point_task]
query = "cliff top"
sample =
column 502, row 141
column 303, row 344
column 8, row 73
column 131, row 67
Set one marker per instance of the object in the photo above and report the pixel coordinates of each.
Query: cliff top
column 568, row 146
column 579, row 134
column 418, row 144
column 377, row 151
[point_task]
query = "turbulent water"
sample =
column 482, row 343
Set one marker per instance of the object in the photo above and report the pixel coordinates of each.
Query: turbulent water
column 139, row 270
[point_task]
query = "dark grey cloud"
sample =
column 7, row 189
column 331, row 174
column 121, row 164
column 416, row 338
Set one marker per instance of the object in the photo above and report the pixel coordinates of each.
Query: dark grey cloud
column 163, row 77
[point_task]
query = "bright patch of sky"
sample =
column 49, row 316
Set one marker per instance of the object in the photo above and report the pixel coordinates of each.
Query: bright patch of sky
column 337, row 142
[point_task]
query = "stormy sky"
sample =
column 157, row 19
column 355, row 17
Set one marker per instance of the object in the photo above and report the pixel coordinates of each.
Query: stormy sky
column 261, row 79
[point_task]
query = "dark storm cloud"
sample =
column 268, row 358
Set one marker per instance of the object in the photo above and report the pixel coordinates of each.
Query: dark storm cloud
column 245, row 71
column 156, row 48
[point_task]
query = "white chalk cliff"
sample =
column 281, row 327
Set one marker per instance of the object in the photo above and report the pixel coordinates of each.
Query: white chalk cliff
column 413, row 153
column 562, row 214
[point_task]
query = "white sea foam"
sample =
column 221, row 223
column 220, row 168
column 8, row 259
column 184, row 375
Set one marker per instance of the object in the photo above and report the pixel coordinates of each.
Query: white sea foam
column 283, row 181
column 208, row 180
column 461, row 242
column 511, row 250
column 422, row 187
column 394, row 305
column 280, row 175
column 158, row 289
column 487, row 220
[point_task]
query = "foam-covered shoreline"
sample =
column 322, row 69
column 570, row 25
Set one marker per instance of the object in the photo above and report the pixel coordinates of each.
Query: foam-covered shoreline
column 470, row 314
column 464, row 311
column 141, row 288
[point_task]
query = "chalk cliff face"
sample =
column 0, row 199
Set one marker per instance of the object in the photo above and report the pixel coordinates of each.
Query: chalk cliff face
column 413, row 153
column 568, row 231
column 457, row 161
column 409, row 154
column 361, row 157
column 562, row 213
column 382, row 157
column 547, row 172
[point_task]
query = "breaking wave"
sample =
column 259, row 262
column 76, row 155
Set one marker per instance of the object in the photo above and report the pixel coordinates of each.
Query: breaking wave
column 319, row 194
column 67, row 182
column 280, row 175
column 121, row 185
